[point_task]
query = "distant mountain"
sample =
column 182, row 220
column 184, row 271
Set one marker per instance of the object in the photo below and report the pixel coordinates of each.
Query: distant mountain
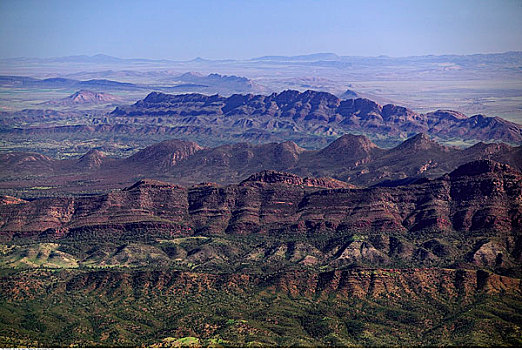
column 64, row 83
column 216, row 82
column 331, row 59
column 314, row 57
column 310, row 57
column 85, row 97
column 352, row 159
column 85, row 59
column 164, row 81
column 321, row 112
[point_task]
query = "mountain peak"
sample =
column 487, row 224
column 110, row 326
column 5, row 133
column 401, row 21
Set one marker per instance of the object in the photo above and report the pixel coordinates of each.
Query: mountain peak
column 351, row 150
column 155, row 97
column 420, row 141
column 353, row 142
column 349, row 144
column 92, row 159
column 165, row 154
column 449, row 114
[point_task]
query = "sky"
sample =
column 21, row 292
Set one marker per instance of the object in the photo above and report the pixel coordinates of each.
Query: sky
column 241, row 29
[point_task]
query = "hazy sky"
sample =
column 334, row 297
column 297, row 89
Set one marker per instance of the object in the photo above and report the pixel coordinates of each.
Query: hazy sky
column 245, row 29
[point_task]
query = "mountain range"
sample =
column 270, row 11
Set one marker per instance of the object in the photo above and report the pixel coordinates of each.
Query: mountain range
column 353, row 159
column 310, row 119
column 331, row 263
column 319, row 113
column 447, row 215
column 64, row 83
column 316, row 261
column 187, row 82
column 505, row 57
column 255, row 219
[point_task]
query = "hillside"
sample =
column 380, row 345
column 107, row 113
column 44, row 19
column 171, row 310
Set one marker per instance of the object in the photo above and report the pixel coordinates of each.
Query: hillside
column 351, row 158
column 358, row 307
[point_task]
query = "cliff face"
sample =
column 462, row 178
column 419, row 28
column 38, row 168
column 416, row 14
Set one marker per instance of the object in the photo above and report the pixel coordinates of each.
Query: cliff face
column 147, row 200
column 471, row 217
column 483, row 195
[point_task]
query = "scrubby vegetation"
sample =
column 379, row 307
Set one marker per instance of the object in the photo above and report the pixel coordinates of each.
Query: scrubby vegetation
column 249, row 291
column 121, row 308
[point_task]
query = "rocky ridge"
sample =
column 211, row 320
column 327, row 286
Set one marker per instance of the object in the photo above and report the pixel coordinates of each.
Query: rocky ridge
column 483, row 195
column 319, row 112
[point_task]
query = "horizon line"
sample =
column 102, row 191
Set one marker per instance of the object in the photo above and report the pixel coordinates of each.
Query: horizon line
column 199, row 58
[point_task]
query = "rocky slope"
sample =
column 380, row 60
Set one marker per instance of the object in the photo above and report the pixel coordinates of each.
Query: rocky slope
column 319, row 112
column 358, row 307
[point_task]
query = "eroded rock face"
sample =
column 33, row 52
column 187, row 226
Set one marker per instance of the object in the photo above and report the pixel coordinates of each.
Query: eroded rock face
column 489, row 198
